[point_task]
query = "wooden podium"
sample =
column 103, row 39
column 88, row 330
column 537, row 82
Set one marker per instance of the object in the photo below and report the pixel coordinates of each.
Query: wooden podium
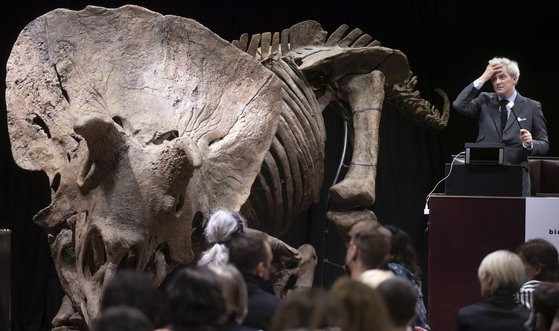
column 462, row 231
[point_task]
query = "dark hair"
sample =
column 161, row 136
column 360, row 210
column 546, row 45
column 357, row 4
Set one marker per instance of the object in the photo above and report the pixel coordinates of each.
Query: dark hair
column 541, row 253
column 400, row 298
column 373, row 242
column 402, row 250
column 195, row 299
column 247, row 250
column 122, row 318
column 135, row 289
column 546, row 302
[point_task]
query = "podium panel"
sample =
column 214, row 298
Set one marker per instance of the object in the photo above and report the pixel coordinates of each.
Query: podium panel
column 462, row 231
column 487, row 180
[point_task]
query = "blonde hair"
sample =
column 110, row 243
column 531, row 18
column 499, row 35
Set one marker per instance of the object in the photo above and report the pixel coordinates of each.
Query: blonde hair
column 374, row 277
column 364, row 306
column 501, row 271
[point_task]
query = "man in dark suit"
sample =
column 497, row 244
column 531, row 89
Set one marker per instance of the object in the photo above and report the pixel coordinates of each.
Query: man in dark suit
column 506, row 116
column 251, row 253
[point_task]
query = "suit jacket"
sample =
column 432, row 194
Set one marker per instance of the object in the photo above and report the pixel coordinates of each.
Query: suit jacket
column 262, row 304
column 498, row 312
column 526, row 114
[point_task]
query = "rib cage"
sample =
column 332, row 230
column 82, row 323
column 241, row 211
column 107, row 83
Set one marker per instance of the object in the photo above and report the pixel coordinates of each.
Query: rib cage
column 292, row 173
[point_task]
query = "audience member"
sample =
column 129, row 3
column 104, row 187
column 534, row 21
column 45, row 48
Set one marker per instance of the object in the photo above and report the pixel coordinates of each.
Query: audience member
column 400, row 297
column 365, row 309
column 134, row 289
column 222, row 226
column 402, row 261
column 195, row 300
column 541, row 263
column 367, row 249
column 555, row 324
column 235, row 295
column 251, row 253
column 500, row 274
column 375, row 277
column 308, row 309
column 122, row 318
column 546, row 303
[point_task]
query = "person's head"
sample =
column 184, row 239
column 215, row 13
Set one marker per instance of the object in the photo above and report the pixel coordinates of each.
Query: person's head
column 195, row 299
column 135, row 289
column 540, row 259
column 555, row 324
column 504, row 82
column 222, row 226
column 375, row 277
column 368, row 247
column 234, row 291
column 365, row 309
column 501, row 271
column 251, row 253
column 122, row 318
column 402, row 250
column 400, row 298
column 546, row 303
column 308, row 309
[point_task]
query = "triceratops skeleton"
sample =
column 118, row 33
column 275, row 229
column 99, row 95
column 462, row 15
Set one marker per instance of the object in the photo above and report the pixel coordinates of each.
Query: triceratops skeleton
column 145, row 123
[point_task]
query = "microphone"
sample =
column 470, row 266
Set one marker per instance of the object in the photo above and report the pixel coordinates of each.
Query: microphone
column 509, row 107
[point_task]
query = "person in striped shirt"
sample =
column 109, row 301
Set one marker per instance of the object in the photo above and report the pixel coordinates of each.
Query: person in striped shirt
column 541, row 263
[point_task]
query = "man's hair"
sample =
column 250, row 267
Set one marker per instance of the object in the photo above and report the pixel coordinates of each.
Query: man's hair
column 504, row 269
column 134, row 289
column 223, row 225
column 400, row 297
column 247, row 250
column 541, row 253
column 512, row 66
column 373, row 242
column 546, row 302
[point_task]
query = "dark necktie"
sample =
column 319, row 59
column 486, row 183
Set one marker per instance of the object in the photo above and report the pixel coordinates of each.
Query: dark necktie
column 504, row 113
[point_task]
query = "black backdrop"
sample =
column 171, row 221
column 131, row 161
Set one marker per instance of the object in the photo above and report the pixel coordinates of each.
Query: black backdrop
column 448, row 44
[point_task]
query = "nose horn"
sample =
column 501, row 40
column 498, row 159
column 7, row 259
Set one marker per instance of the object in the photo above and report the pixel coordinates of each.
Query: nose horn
column 180, row 159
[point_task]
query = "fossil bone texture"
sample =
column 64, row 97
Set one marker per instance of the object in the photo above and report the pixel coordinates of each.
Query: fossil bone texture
column 144, row 123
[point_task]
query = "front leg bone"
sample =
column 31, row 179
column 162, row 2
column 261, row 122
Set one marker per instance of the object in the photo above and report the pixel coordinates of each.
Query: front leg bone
column 365, row 95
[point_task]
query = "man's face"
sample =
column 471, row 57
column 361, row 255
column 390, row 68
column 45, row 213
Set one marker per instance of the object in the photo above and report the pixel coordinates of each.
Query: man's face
column 531, row 271
column 350, row 255
column 503, row 83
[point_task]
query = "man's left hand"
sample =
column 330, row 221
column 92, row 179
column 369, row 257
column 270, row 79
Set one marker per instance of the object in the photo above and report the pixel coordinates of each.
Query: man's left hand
column 526, row 138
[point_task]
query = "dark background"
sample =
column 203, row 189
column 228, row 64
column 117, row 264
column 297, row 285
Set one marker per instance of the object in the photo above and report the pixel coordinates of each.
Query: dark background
column 448, row 44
